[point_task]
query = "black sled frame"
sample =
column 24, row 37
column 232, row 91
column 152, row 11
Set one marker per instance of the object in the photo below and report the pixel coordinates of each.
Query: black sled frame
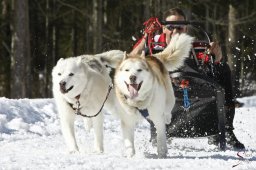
column 205, row 115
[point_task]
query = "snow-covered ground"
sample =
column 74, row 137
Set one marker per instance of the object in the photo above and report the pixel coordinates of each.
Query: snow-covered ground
column 30, row 138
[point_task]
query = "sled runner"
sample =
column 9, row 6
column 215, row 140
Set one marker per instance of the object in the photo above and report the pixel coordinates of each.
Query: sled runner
column 199, row 109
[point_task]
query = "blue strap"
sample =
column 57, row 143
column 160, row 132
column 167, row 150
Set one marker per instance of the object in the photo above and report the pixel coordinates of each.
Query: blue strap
column 186, row 102
column 144, row 112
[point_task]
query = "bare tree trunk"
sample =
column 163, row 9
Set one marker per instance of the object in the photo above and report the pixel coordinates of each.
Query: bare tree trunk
column 20, row 64
column 43, row 85
column 233, row 54
column 231, row 36
column 5, row 50
column 50, row 57
column 157, row 7
column 146, row 9
column 74, row 35
column 207, row 18
column 51, row 60
column 163, row 7
column 97, row 26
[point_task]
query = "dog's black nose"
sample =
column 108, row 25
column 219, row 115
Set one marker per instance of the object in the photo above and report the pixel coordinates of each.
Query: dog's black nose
column 133, row 78
column 62, row 84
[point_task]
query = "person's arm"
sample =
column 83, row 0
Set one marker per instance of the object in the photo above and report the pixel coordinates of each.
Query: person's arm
column 139, row 46
column 215, row 49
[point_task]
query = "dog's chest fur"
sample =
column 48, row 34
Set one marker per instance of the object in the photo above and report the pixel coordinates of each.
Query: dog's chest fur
column 140, row 103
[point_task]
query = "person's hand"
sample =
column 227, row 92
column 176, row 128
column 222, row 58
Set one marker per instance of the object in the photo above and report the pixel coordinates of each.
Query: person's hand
column 215, row 50
column 152, row 25
column 145, row 36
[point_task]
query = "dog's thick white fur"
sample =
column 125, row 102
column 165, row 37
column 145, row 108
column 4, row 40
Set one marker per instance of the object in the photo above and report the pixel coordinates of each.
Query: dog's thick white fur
column 144, row 83
column 178, row 49
column 85, row 79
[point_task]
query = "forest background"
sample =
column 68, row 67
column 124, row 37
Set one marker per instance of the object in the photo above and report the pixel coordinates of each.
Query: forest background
column 34, row 34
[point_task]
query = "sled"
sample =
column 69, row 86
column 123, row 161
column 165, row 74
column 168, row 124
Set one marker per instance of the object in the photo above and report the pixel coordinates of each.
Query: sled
column 199, row 108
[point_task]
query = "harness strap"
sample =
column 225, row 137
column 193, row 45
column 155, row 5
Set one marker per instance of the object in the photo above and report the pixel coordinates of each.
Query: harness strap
column 143, row 112
column 77, row 109
column 186, row 102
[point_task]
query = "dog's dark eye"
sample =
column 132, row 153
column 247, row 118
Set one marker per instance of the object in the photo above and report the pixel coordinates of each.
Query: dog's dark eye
column 71, row 74
column 59, row 74
column 126, row 69
column 139, row 70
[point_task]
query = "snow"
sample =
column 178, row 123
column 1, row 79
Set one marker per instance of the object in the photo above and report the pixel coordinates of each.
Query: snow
column 30, row 138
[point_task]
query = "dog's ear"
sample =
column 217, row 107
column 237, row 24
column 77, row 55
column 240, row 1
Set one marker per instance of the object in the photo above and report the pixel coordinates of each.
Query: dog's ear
column 126, row 56
column 110, row 58
column 142, row 54
column 79, row 61
column 60, row 60
column 95, row 65
column 81, row 64
column 105, row 62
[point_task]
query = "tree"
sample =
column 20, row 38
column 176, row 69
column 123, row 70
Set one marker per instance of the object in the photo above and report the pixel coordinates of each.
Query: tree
column 97, row 25
column 20, row 57
column 231, row 35
column 5, row 49
column 63, row 28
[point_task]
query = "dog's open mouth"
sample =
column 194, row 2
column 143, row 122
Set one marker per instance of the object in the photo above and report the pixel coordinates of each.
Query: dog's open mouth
column 133, row 89
column 64, row 90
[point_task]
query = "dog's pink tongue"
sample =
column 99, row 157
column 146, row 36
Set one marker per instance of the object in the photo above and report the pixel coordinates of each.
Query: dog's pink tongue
column 133, row 89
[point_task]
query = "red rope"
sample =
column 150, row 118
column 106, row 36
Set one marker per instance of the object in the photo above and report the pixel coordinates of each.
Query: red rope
column 151, row 25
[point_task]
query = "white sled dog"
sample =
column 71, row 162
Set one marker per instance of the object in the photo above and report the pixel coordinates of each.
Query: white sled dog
column 82, row 86
column 144, row 89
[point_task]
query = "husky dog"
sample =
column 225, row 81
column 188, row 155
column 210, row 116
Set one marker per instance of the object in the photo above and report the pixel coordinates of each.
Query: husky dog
column 143, row 88
column 82, row 86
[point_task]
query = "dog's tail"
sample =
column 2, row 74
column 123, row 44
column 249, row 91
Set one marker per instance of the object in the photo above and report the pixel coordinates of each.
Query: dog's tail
column 175, row 53
column 111, row 58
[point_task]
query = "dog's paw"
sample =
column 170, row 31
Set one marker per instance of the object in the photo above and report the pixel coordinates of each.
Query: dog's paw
column 162, row 153
column 169, row 141
column 168, row 118
column 129, row 152
column 98, row 150
column 73, row 151
column 162, row 156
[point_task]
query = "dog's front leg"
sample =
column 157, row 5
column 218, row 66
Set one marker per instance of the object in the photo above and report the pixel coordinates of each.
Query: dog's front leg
column 98, row 133
column 67, row 127
column 128, row 137
column 161, row 137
